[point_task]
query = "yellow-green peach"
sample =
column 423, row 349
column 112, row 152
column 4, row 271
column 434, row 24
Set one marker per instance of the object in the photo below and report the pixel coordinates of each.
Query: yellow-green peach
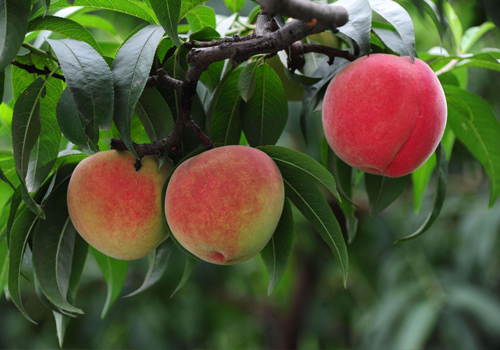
column 115, row 208
column 224, row 204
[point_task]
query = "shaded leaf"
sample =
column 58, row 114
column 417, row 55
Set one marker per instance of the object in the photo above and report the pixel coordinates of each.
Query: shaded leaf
column 89, row 80
column 439, row 195
column 299, row 162
column 154, row 114
column 392, row 40
column 131, row 69
column 14, row 17
column 278, row 252
column 157, row 265
column 306, row 197
column 188, row 270
column 168, row 13
column 396, row 15
column 114, row 272
column 383, row 190
column 264, row 116
column 360, row 18
column 66, row 27
column 480, row 134
column 246, row 81
column 226, row 122
column 207, row 33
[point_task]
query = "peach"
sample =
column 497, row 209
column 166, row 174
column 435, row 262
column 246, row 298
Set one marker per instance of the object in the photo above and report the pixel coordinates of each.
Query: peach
column 224, row 204
column 384, row 115
column 115, row 208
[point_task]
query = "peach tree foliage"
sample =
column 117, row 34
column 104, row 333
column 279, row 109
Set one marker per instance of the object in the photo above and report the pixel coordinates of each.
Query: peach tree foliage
column 177, row 89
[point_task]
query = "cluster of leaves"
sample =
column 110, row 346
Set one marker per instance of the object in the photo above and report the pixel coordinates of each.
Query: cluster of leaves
column 52, row 124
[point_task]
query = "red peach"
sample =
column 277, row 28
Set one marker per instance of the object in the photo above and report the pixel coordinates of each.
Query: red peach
column 115, row 208
column 384, row 115
column 224, row 204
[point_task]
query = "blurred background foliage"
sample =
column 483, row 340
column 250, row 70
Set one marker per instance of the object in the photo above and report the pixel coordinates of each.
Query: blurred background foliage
column 440, row 291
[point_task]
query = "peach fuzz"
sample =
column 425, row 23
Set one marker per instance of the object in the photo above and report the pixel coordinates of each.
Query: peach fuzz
column 224, row 204
column 384, row 114
column 115, row 208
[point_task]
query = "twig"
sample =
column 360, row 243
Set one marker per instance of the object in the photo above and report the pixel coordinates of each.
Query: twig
column 34, row 70
column 163, row 79
column 329, row 51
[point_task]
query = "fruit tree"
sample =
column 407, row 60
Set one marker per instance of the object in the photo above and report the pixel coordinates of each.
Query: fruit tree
column 173, row 137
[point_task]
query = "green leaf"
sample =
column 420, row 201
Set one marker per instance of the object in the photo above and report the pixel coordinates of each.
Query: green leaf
column 455, row 25
column 421, row 176
column 23, row 225
column 72, row 264
column 114, row 272
column 46, row 148
column 168, row 12
column 155, row 115
column 49, row 253
column 396, row 15
column 89, row 80
column 188, row 270
column 2, row 85
column 4, row 263
column 482, row 60
column 207, row 33
column 432, row 11
column 133, row 8
column 392, row 40
column 66, row 27
column 200, row 17
column 234, row 5
column 480, row 134
column 70, row 123
column 301, row 79
column 26, row 126
column 247, row 79
column 131, row 69
column 95, row 22
column 439, row 196
column 301, row 163
column 14, row 17
column 360, row 19
column 226, row 122
column 383, row 190
column 278, row 252
column 6, row 180
column 211, row 77
column 306, row 197
column 344, row 179
column 187, row 5
column 264, row 116
column 473, row 34
column 157, row 265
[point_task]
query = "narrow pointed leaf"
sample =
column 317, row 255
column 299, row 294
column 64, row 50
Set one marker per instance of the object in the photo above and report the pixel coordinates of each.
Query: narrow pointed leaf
column 383, row 190
column 396, row 15
column 439, row 195
column 154, row 114
column 265, row 115
column 246, row 81
column 480, row 135
column 188, row 270
column 131, row 69
column 278, row 252
column 6, row 180
column 14, row 17
column 168, row 12
column 226, row 122
column 359, row 24
column 4, row 263
column 157, row 266
column 114, row 272
column 308, row 199
column 89, row 79
column 473, row 34
column 47, row 244
column 201, row 16
column 300, row 162
column 130, row 7
column 187, row 5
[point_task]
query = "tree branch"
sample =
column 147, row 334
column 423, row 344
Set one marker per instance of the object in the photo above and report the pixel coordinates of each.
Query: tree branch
column 34, row 70
column 311, row 12
column 329, row 51
column 163, row 79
